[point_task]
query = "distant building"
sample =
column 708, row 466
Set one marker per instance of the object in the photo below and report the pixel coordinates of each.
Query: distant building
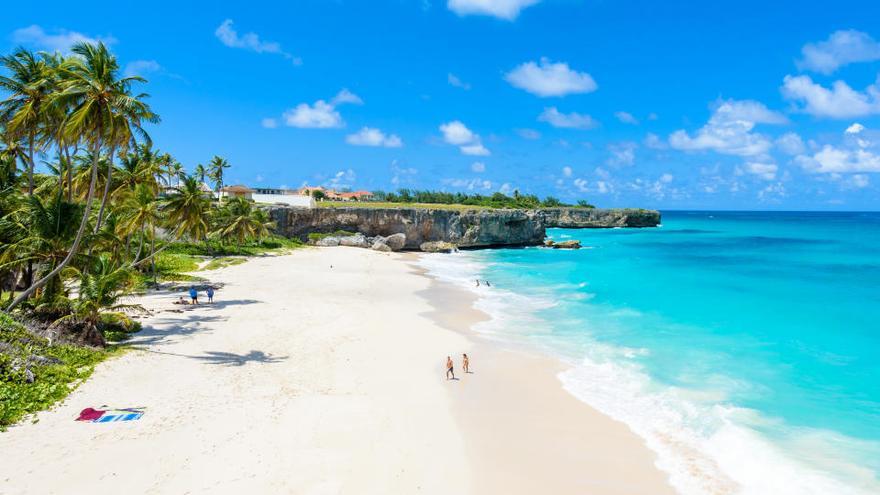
column 333, row 195
column 237, row 191
column 356, row 196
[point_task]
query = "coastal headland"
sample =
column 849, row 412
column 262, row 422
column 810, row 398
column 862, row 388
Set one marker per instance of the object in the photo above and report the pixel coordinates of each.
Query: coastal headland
column 462, row 227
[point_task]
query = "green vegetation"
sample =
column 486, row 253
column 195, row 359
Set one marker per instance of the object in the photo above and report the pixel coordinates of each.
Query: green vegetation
column 112, row 215
column 56, row 370
column 496, row 200
column 217, row 263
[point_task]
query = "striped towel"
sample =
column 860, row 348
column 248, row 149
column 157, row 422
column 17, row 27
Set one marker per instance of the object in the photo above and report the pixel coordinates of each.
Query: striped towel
column 109, row 418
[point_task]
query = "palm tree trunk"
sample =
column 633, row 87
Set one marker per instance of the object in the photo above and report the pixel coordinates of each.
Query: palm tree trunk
column 106, row 190
column 76, row 242
column 31, row 139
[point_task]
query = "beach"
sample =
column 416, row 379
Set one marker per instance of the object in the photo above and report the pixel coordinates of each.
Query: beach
column 322, row 372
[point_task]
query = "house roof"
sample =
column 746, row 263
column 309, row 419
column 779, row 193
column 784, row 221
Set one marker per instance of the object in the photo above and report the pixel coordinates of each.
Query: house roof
column 238, row 188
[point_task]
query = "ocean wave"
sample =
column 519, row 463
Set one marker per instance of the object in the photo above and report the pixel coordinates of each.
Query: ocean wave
column 704, row 445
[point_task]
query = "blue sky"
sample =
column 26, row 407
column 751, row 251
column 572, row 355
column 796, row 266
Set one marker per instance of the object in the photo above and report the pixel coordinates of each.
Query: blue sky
column 727, row 105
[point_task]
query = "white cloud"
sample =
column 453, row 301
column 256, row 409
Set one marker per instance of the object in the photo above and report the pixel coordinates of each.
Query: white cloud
column 320, row 115
column 469, row 184
column 343, row 178
column 653, row 116
column 859, row 181
column 654, row 142
column 478, row 167
column 62, row 40
column 666, row 178
column 547, row 78
column 567, row 171
column 453, row 80
column 402, row 175
column 766, row 171
column 249, row 41
column 729, row 130
column 346, row 96
column 856, row 128
column 457, row 134
column 790, row 143
column 581, row 184
column 573, row 120
column 831, row 159
column 528, row 134
column 502, row 9
column 269, row 123
column 370, row 136
column 626, row 118
column 772, row 192
column 838, row 102
column 622, row 154
column 141, row 67
column 841, row 48
column 476, row 149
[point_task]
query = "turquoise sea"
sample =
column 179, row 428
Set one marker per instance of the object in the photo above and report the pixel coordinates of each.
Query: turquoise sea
column 744, row 347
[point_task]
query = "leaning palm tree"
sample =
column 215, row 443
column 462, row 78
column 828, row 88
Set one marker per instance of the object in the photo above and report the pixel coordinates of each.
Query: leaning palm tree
column 29, row 84
column 102, row 109
column 216, row 167
column 139, row 214
column 240, row 221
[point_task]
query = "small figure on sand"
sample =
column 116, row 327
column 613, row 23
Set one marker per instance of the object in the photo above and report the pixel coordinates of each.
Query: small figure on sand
column 182, row 300
column 465, row 363
column 488, row 284
column 449, row 368
column 478, row 282
column 194, row 295
column 210, row 293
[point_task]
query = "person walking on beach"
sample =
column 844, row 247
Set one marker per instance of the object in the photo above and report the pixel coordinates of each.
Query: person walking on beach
column 194, row 295
column 478, row 282
column 465, row 363
column 210, row 292
column 449, row 368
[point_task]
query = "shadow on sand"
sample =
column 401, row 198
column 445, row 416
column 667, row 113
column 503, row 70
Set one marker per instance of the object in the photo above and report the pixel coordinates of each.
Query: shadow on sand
column 228, row 358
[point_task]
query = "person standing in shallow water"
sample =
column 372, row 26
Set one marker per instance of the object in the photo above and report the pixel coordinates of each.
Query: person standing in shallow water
column 449, row 368
column 465, row 363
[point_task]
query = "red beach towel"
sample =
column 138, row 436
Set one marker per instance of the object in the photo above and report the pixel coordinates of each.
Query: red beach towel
column 89, row 414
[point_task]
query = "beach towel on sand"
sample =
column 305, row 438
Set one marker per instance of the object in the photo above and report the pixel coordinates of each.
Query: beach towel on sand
column 110, row 415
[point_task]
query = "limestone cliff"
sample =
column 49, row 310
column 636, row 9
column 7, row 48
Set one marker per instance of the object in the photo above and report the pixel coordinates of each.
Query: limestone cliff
column 597, row 218
column 467, row 229
column 463, row 228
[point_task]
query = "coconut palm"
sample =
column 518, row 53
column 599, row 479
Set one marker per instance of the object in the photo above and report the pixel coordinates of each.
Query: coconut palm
column 200, row 172
column 100, row 290
column 187, row 210
column 216, row 167
column 139, row 215
column 103, row 112
column 29, row 84
column 239, row 220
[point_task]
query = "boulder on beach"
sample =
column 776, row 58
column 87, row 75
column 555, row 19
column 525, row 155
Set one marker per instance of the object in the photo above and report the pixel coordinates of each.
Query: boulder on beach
column 327, row 242
column 567, row 245
column 396, row 241
column 380, row 245
column 438, row 247
column 357, row 240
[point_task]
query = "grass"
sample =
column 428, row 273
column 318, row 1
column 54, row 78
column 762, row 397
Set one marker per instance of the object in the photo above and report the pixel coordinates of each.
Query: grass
column 53, row 382
column 218, row 263
column 382, row 204
column 317, row 236
column 215, row 248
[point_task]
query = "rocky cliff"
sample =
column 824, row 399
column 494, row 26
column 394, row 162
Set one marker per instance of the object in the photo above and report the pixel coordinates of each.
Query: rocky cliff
column 464, row 228
column 596, row 218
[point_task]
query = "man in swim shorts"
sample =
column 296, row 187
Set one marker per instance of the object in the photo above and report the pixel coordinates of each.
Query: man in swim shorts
column 449, row 368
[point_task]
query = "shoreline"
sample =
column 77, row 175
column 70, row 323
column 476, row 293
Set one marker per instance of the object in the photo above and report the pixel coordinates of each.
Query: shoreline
column 321, row 371
column 578, row 448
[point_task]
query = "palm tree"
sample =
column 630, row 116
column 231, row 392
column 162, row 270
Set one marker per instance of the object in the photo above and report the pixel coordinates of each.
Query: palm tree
column 102, row 112
column 201, row 172
column 187, row 210
column 216, row 167
column 29, row 86
column 140, row 213
column 100, row 289
column 238, row 219
column 177, row 170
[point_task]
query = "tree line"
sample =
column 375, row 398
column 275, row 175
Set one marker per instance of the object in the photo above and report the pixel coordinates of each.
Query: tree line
column 496, row 200
column 75, row 240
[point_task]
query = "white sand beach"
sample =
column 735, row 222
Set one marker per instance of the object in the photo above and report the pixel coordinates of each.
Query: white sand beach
column 308, row 379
